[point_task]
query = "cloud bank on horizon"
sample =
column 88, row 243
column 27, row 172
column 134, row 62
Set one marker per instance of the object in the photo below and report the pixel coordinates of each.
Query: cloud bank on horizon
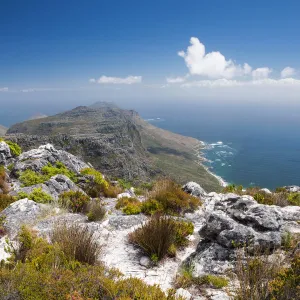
column 215, row 70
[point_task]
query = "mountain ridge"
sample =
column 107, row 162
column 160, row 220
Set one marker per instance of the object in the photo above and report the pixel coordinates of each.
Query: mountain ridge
column 118, row 142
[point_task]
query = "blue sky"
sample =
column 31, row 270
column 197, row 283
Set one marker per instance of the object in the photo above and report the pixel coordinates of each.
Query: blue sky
column 126, row 48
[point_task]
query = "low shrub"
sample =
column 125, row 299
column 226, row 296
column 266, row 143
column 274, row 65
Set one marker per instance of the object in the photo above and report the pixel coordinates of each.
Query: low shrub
column 95, row 211
column 30, row 177
column 286, row 284
column 186, row 279
column 39, row 196
column 126, row 185
column 77, row 242
column 171, row 198
column 46, row 272
column 112, row 191
column 254, row 274
column 232, row 188
column 151, row 206
column 59, row 168
column 15, row 149
column 130, row 206
column 2, row 228
column 75, row 201
column 3, row 184
column 5, row 201
column 294, row 199
column 160, row 235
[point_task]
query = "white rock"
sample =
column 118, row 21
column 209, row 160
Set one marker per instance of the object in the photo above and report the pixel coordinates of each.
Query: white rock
column 123, row 195
column 267, row 191
column 183, row 293
column 145, row 261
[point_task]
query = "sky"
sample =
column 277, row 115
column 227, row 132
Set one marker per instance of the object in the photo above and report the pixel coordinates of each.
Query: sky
column 58, row 52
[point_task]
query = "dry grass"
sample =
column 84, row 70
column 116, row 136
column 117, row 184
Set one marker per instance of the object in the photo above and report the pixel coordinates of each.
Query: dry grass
column 255, row 273
column 96, row 211
column 3, row 184
column 77, row 242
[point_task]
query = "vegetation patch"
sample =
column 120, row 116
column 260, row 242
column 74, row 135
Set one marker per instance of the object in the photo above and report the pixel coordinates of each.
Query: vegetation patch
column 95, row 211
column 168, row 197
column 59, row 168
column 15, row 149
column 186, row 279
column 75, row 201
column 160, row 236
column 37, row 195
column 112, row 191
column 98, row 185
column 3, row 184
column 30, row 177
column 5, row 201
column 42, row 270
column 130, row 206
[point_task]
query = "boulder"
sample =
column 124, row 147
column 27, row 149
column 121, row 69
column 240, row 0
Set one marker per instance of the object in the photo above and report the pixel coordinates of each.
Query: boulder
column 36, row 159
column 292, row 188
column 145, row 261
column 194, row 189
column 20, row 213
column 4, row 153
column 183, row 293
column 265, row 190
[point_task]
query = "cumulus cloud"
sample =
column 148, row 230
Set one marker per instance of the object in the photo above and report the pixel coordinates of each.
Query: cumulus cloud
column 4, row 89
column 176, row 79
column 212, row 64
column 287, row 72
column 261, row 73
column 117, row 80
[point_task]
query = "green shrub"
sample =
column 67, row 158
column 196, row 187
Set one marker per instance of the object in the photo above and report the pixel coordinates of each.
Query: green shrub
column 39, row 196
column 171, row 198
column 186, row 279
column 98, row 177
column 124, row 184
column 29, row 177
column 15, row 149
column 112, row 191
column 294, row 199
column 95, row 211
column 5, row 201
column 22, row 195
column 232, row 188
column 77, row 242
column 45, row 271
column 286, row 284
column 74, row 201
column 160, row 234
column 130, row 206
column 2, row 228
column 151, row 206
column 59, row 168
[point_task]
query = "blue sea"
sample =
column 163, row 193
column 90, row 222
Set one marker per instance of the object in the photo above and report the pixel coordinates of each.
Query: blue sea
column 249, row 144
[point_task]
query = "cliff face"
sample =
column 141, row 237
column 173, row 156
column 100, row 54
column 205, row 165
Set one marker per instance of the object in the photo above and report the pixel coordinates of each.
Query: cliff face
column 2, row 130
column 118, row 142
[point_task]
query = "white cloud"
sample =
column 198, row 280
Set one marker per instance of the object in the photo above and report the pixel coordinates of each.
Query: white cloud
column 212, row 64
column 117, row 80
column 176, row 79
column 287, row 72
column 261, row 73
column 285, row 82
column 4, row 89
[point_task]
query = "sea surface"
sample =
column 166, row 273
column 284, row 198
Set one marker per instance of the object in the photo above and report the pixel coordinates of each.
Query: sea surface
column 252, row 145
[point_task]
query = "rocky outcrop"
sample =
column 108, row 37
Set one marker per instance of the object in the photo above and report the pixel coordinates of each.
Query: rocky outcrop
column 54, row 187
column 36, row 159
column 194, row 189
column 5, row 154
column 292, row 188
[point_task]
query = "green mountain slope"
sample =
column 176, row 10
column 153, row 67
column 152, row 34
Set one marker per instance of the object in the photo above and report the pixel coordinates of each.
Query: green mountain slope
column 119, row 143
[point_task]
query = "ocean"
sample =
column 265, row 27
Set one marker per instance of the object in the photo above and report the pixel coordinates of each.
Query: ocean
column 248, row 144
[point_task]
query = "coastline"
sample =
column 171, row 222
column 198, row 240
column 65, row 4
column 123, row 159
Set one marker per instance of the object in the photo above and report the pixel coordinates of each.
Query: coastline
column 201, row 159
